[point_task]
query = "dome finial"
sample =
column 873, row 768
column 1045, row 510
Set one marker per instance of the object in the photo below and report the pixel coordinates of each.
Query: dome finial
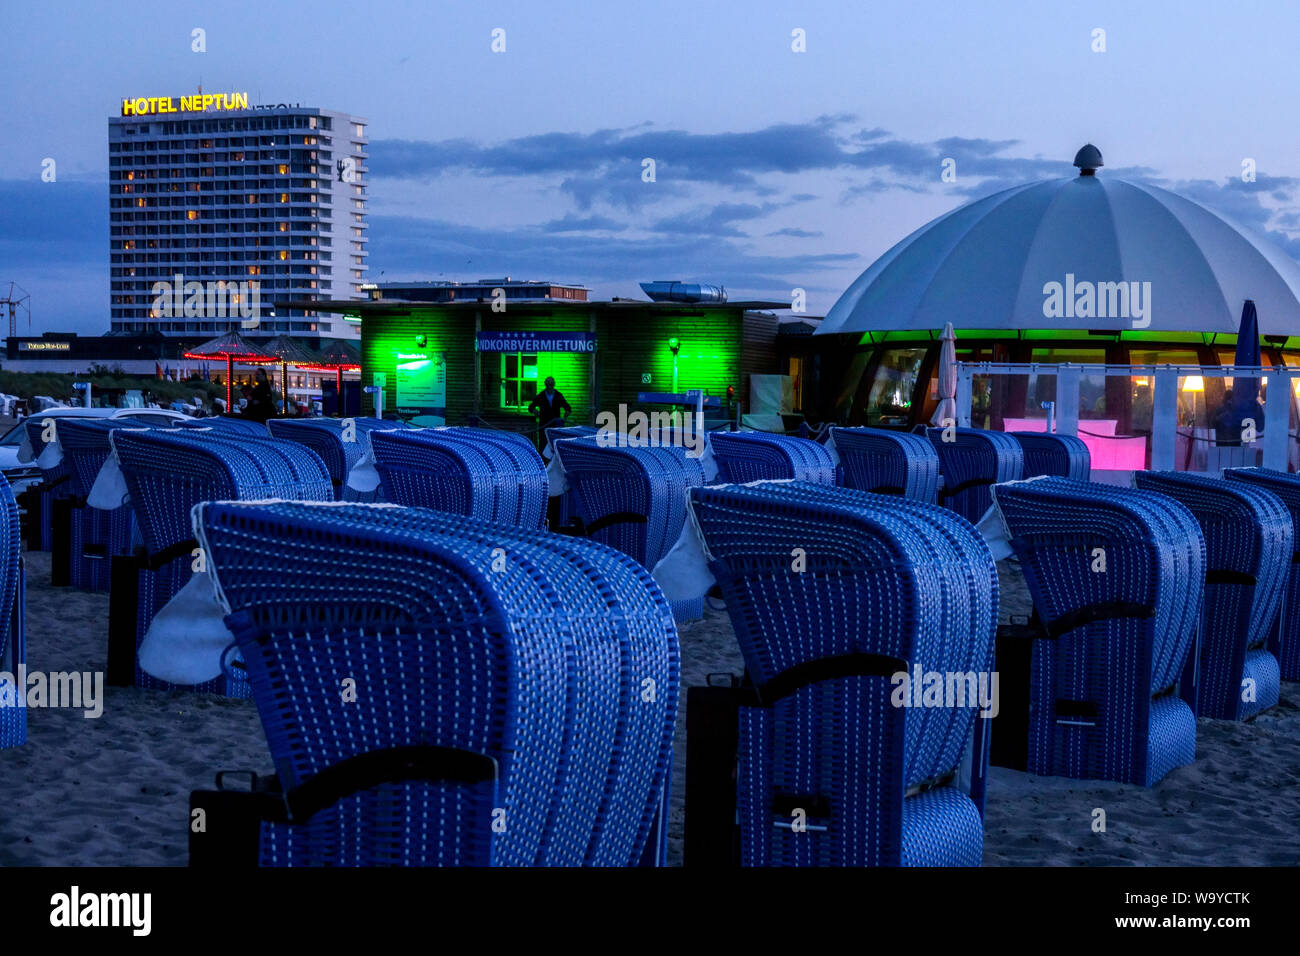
column 1088, row 159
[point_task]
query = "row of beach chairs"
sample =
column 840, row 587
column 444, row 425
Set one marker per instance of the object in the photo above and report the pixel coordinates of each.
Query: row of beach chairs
column 424, row 654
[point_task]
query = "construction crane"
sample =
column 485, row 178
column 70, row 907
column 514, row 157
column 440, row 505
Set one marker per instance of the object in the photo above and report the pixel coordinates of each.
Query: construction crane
column 12, row 301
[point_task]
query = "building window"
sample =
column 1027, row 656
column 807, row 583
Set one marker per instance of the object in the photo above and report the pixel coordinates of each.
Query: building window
column 518, row 379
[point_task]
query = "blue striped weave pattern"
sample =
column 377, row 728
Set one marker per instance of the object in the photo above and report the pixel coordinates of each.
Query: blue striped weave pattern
column 758, row 456
column 1285, row 639
column 482, row 473
column 557, row 657
column 340, row 443
column 1248, row 545
column 168, row 471
column 971, row 461
column 888, row 462
column 1105, row 698
column 1061, row 456
column 13, row 622
column 882, row 575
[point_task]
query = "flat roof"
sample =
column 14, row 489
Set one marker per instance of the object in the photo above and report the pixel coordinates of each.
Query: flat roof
column 403, row 306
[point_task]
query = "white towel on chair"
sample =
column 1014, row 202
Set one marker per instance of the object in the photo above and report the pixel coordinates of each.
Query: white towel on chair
column 187, row 637
column 109, row 490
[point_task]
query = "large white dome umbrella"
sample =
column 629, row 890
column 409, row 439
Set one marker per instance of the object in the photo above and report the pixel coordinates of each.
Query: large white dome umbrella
column 1082, row 253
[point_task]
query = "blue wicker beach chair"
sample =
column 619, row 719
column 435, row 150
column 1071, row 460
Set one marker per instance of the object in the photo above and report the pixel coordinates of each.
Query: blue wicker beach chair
column 842, row 595
column 482, row 473
column 559, row 514
column 1284, row 639
column 1061, row 456
column 552, row 661
column 1117, row 579
column 757, row 456
column 54, row 486
column 167, row 472
column 568, row 431
column 632, row 498
column 1248, row 545
column 97, row 535
column 13, row 623
column 887, row 462
column 235, row 425
column 339, row 442
column 971, row 461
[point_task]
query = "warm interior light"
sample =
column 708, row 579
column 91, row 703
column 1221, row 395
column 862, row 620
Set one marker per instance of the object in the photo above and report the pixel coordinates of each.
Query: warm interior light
column 1194, row 383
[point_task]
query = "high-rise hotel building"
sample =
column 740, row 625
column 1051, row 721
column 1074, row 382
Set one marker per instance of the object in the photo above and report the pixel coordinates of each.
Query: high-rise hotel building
column 204, row 188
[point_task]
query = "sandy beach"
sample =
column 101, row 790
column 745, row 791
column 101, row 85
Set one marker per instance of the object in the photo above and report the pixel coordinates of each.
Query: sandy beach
column 115, row 790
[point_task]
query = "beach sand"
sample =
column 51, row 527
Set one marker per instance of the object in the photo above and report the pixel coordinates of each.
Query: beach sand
column 115, row 790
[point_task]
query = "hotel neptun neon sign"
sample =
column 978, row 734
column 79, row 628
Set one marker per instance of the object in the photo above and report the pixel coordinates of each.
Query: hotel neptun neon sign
column 197, row 103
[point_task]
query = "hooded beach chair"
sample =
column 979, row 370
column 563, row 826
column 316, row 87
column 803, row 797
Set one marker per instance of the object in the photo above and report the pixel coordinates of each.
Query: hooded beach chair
column 846, row 606
column 567, row 431
column 481, row 473
column 340, row 442
column 54, row 489
column 514, row 691
column 971, row 461
column 1284, row 639
column 97, row 535
column 1061, row 456
column 758, row 456
column 13, row 624
column 235, row 425
column 631, row 497
column 1117, row 579
column 887, row 463
column 1248, row 547
column 166, row 473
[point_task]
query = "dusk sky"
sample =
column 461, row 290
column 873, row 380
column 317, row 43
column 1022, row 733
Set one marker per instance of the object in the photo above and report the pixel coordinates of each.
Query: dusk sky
column 775, row 169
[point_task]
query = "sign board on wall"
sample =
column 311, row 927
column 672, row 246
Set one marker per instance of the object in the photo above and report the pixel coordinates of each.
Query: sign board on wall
column 422, row 385
column 562, row 341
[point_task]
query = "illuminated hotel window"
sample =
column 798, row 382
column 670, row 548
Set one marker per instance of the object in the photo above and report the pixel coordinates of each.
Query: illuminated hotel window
column 283, row 255
column 192, row 214
column 254, row 270
column 284, row 227
column 139, row 202
column 284, row 197
column 130, row 175
column 283, row 169
column 252, row 197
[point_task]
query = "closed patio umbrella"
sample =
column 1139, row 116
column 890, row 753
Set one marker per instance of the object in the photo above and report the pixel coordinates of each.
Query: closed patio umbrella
column 1245, row 391
column 947, row 377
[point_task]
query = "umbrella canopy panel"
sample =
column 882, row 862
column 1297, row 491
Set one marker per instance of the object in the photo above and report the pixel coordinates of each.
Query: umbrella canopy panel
column 1082, row 253
column 232, row 347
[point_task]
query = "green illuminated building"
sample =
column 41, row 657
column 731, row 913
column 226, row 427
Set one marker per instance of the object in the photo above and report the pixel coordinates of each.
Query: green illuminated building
column 484, row 361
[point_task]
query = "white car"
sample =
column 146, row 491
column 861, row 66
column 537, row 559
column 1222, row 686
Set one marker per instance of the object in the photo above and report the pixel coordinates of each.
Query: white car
column 16, row 459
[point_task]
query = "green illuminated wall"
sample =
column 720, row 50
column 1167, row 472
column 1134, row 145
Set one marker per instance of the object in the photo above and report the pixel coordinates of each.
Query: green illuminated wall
column 634, row 343
column 718, row 348
column 451, row 331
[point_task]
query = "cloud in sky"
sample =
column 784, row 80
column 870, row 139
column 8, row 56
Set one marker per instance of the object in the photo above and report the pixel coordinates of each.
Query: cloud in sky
column 789, row 204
